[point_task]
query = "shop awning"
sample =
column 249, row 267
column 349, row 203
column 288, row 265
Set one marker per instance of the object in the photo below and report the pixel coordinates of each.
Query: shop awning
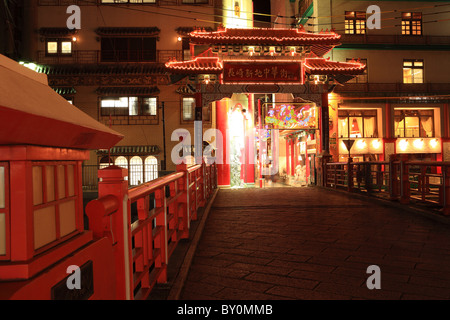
column 128, row 31
column 127, row 91
column 32, row 113
column 56, row 32
column 65, row 90
column 92, row 69
column 131, row 150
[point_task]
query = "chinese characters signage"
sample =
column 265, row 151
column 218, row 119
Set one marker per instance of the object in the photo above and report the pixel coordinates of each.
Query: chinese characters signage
column 299, row 116
column 272, row 72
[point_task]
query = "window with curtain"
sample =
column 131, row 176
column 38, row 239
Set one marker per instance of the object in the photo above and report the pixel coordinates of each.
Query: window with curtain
column 357, row 124
column 414, row 123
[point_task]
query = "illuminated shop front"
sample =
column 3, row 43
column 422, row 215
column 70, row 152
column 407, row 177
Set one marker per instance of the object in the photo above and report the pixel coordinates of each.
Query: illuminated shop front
column 380, row 130
column 269, row 92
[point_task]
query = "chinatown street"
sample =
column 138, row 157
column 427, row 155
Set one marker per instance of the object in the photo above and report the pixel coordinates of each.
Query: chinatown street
column 316, row 244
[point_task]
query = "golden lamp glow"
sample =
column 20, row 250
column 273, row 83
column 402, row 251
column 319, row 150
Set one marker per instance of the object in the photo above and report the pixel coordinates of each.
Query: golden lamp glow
column 361, row 144
column 403, row 144
column 434, row 143
column 376, row 144
column 418, row 143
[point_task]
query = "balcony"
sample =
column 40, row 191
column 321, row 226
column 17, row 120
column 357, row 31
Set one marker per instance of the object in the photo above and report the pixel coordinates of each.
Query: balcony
column 395, row 39
column 95, row 57
column 417, row 88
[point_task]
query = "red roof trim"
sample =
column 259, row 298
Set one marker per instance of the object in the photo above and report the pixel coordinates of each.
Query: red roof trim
column 324, row 66
column 197, row 65
column 265, row 35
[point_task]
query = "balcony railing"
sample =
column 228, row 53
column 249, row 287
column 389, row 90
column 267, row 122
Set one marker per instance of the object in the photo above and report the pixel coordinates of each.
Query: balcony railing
column 396, row 39
column 97, row 56
column 145, row 223
column 394, row 87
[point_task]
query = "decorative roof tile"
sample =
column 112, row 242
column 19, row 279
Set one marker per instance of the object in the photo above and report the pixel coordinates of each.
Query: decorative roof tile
column 325, row 66
column 93, row 69
column 185, row 31
column 65, row 90
column 264, row 36
column 207, row 62
column 131, row 150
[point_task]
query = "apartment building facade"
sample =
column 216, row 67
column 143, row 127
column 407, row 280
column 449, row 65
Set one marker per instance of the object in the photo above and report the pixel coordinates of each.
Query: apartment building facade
column 400, row 104
column 112, row 68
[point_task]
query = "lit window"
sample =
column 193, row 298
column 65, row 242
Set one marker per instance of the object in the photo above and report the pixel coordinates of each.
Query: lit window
column 58, row 46
column 136, row 174
column 121, row 162
column 412, row 71
column 66, row 47
column 414, row 123
column 355, row 22
column 188, row 108
column 412, row 23
column 52, row 47
column 358, row 124
column 149, row 106
column 131, row 106
column 151, row 168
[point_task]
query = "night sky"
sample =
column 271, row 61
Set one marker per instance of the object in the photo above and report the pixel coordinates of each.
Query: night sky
column 261, row 6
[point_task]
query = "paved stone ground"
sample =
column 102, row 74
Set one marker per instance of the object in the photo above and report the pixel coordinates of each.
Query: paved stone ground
column 311, row 243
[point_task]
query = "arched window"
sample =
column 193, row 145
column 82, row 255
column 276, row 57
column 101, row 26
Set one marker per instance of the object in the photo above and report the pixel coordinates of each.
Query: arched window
column 151, row 168
column 136, row 173
column 122, row 162
column 105, row 162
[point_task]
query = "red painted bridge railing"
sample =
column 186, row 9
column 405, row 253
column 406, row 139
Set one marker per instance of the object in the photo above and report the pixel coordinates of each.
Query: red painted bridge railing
column 426, row 182
column 145, row 223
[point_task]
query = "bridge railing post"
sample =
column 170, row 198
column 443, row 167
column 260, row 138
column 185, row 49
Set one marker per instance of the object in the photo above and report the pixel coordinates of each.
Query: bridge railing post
column 113, row 185
column 393, row 178
column 446, row 191
column 350, row 175
column 405, row 191
column 183, row 209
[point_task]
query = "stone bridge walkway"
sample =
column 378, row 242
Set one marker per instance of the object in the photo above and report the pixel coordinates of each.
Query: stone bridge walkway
column 311, row 243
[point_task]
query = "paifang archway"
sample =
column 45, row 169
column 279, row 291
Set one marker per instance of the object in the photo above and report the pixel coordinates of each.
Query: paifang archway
column 280, row 62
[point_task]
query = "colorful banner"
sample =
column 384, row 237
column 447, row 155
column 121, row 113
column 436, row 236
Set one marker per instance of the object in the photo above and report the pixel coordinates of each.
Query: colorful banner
column 256, row 72
column 299, row 116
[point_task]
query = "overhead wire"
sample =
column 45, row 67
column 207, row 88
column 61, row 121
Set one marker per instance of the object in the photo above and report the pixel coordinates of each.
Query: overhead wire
column 127, row 7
